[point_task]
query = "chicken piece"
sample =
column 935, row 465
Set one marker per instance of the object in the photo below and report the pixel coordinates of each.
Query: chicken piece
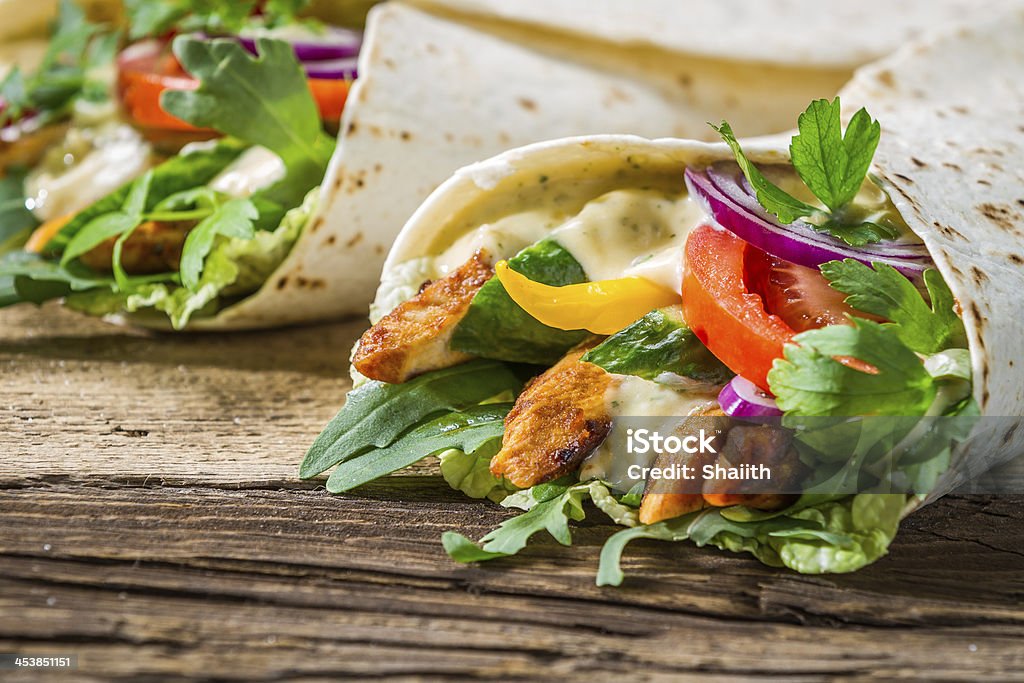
column 414, row 337
column 151, row 248
column 670, row 498
column 556, row 422
column 754, row 445
column 24, row 144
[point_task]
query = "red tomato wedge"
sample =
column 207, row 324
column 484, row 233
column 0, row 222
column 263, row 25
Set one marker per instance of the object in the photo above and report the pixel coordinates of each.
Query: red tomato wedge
column 801, row 296
column 730, row 319
column 147, row 69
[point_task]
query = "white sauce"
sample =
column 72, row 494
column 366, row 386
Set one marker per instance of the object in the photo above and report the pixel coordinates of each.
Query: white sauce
column 502, row 239
column 114, row 155
column 632, row 397
column 622, row 233
column 632, row 233
column 255, row 169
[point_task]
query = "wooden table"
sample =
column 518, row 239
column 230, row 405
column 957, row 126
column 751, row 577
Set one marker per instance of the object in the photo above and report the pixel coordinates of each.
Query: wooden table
column 151, row 522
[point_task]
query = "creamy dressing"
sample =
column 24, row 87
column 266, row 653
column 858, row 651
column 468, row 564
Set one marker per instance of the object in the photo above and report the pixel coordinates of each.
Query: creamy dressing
column 634, row 232
column 253, row 170
column 633, row 397
column 502, row 239
column 91, row 163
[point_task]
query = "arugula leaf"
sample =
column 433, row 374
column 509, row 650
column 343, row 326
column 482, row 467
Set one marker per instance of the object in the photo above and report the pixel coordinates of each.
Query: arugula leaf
column 263, row 100
column 154, row 18
column 234, row 268
column 496, row 327
column 62, row 74
column 467, row 431
column 884, row 292
column 659, row 343
column 551, row 515
column 810, row 382
column 609, row 572
column 376, row 413
column 233, row 219
column 462, row 549
column 180, row 173
column 149, row 18
column 34, row 279
column 774, row 199
column 116, row 223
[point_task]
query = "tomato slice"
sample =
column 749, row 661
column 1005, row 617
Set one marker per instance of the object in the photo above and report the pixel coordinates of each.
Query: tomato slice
column 330, row 96
column 723, row 312
column 147, row 69
column 801, row 296
column 144, row 71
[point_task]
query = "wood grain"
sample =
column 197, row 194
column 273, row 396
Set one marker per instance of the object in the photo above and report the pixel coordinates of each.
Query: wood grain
column 151, row 522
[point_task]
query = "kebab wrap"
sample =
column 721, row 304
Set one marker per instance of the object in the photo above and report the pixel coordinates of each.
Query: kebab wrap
column 438, row 88
column 838, row 312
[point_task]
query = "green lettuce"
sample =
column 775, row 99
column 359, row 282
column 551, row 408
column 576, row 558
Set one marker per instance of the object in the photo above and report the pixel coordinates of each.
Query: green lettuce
column 234, row 268
column 835, row 536
column 470, row 473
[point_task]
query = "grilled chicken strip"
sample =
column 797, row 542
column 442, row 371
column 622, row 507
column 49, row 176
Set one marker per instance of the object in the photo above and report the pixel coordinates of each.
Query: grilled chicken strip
column 669, row 498
column 152, row 248
column 752, row 445
column 23, row 144
column 556, row 422
column 414, row 338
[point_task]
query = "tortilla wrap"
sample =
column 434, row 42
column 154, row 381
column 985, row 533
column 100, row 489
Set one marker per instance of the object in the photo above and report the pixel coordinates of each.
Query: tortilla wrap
column 437, row 93
column 949, row 157
column 467, row 79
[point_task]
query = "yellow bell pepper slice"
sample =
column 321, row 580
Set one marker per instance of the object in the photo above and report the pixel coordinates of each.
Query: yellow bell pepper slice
column 602, row 307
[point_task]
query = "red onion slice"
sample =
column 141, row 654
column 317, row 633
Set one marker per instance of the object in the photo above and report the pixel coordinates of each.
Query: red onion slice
column 333, row 69
column 333, row 43
column 741, row 398
column 736, row 209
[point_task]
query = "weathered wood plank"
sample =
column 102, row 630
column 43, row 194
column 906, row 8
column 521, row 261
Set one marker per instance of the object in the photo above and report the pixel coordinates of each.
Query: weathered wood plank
column 151, row 522
column 313, row 578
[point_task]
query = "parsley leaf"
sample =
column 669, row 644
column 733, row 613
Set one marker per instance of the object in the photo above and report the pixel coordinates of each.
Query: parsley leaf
column 884, row 292
column 233, row 219
column 810, row 381
column 773, row 198
column 834, row 167
column 262, row 100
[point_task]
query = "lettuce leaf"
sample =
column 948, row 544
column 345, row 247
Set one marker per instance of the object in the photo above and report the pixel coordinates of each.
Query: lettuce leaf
column 470, row 473
column 831, row 537
column 235, row 267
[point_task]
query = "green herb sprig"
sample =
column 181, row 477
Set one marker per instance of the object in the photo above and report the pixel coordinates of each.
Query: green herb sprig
column 832, row 165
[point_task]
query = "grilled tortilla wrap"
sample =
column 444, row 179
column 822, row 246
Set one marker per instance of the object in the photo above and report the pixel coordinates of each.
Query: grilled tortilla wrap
column 949, row 110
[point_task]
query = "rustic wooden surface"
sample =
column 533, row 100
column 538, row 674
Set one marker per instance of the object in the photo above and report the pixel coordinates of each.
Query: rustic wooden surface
column 151, row 522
